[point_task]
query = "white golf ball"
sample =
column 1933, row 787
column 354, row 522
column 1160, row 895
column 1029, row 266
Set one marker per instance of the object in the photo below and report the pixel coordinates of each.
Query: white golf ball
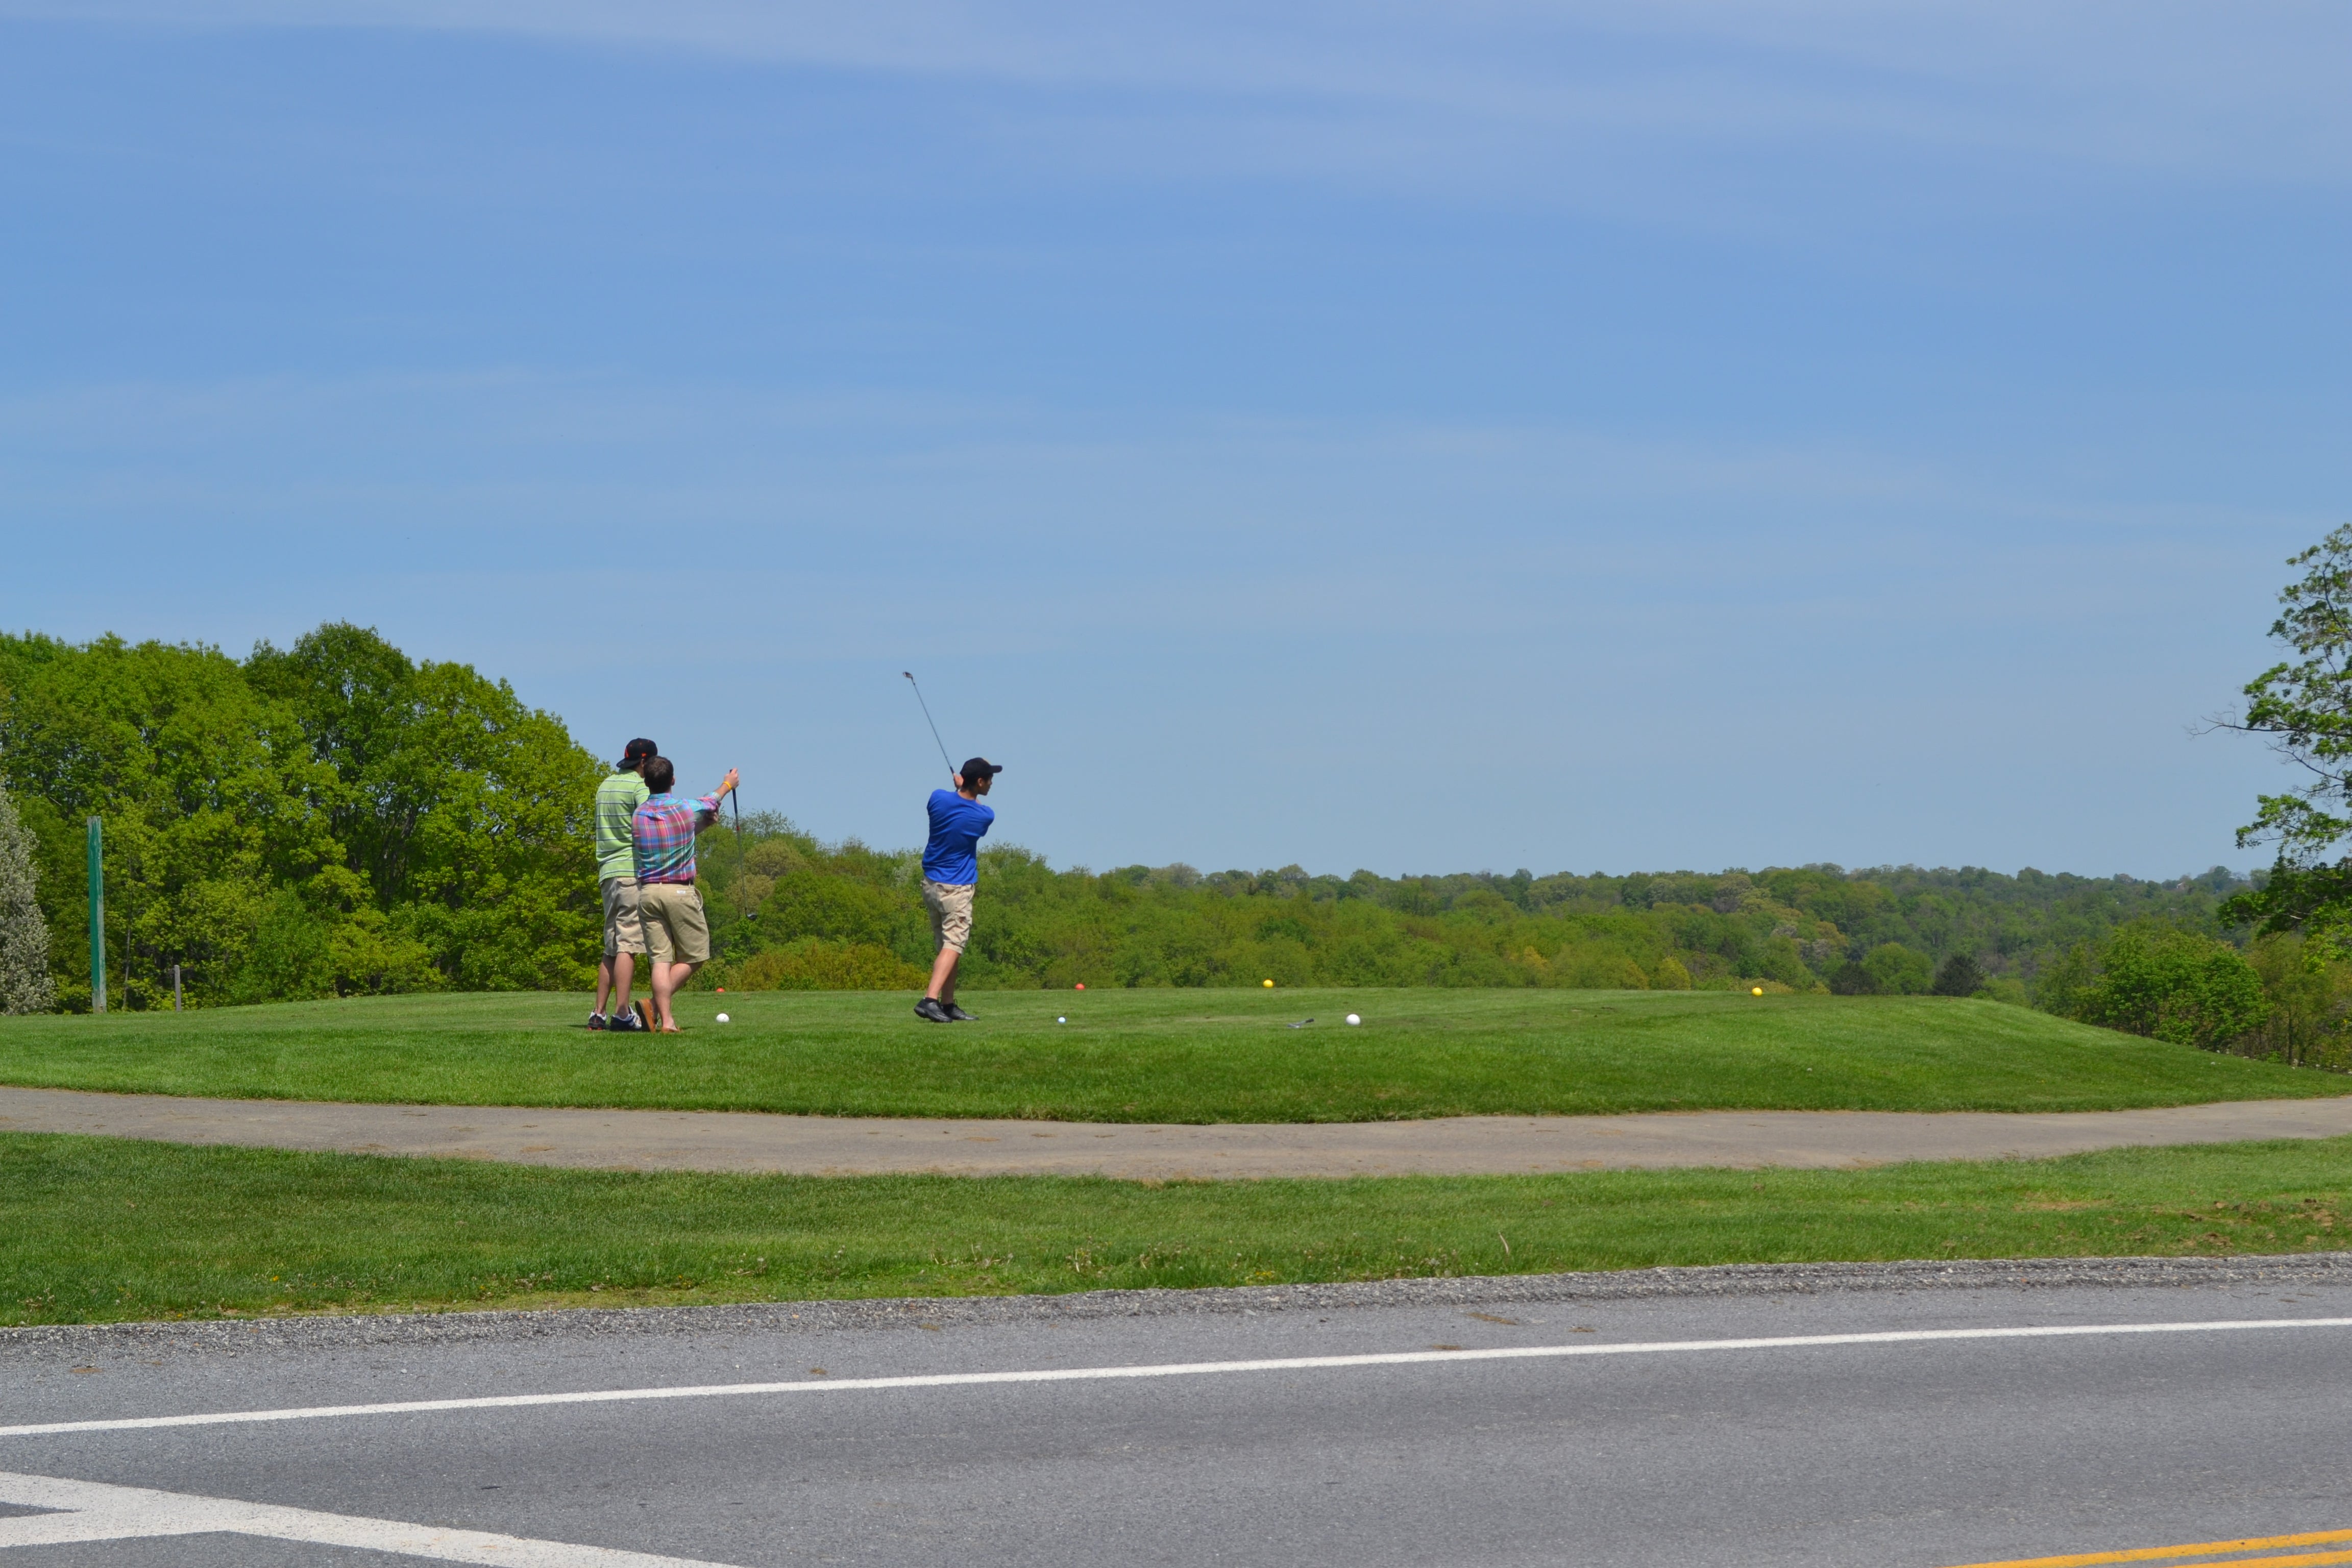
column 1353, row 1020
column 1061, row 1020
column 722, row 1017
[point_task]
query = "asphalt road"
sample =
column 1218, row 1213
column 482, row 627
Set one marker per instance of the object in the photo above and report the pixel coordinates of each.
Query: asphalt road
column 1910, row 1454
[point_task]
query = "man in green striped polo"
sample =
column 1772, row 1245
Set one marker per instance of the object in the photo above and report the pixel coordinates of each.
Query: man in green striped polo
column 617, row 799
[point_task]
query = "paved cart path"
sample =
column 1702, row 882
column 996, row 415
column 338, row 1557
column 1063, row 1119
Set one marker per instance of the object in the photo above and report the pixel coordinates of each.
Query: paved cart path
column 1460, row 1145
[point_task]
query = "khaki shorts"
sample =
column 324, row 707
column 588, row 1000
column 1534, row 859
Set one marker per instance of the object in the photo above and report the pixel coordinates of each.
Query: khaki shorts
column 676, row 931
column 950, row 906
column 624, row 931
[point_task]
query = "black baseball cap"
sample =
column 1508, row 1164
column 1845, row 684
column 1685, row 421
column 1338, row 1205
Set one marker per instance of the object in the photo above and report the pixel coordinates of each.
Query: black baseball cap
column 979, row 768
column 637, row 751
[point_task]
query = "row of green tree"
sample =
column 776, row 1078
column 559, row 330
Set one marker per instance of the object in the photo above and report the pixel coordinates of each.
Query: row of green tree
column 791, row 910
column 329, row 819
column 2283, row 996
column 337, row 819
column 2151, row 959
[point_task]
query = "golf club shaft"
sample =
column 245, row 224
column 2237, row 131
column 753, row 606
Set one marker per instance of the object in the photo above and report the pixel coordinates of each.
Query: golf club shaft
column 942, row 745
column 735, row 798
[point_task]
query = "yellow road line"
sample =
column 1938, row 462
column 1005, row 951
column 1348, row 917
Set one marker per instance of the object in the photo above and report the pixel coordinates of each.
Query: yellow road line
column 2201, row 1549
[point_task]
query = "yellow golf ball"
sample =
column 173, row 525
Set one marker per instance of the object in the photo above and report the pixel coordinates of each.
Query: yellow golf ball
column 1269, row 985
column 1756, row 991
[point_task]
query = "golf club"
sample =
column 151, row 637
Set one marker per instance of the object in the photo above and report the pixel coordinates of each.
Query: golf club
column 942, row 745
column 735, row 799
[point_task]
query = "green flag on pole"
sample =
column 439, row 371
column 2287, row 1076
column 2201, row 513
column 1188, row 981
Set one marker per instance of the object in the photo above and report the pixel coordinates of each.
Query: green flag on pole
column 97, row 916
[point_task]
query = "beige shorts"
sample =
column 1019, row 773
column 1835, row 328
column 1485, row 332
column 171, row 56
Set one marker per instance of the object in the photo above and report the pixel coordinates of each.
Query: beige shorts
column 676, row 931
column 950, row 906
column 624, row 931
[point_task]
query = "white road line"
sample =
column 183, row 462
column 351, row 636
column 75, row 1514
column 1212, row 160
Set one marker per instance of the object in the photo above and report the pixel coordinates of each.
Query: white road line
column 91, row 1511
column 1167, row 1369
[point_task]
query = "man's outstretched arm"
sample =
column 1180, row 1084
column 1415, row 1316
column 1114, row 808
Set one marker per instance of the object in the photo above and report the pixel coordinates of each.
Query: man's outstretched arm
column 706, row 807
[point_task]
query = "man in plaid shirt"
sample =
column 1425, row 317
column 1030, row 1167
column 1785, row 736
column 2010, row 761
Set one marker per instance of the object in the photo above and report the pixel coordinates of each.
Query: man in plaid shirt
column 677, row 934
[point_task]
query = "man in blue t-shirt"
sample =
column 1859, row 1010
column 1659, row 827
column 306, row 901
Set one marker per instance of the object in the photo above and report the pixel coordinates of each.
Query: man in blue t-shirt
column 950, row 867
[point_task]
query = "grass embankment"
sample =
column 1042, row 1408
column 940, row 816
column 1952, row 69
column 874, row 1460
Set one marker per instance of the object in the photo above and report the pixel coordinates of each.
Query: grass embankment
column 1158, row 1056
column 100, row 1229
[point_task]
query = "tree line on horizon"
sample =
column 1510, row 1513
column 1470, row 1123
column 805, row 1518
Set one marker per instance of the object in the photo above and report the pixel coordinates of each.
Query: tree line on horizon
column 337, row 819
column 795, row 911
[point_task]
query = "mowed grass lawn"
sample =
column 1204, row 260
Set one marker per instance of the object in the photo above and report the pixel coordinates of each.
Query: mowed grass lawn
column 102, row 1229
column 1156, row 1055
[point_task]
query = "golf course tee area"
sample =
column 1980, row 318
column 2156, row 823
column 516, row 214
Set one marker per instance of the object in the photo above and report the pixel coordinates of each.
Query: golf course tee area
column 1159, row 1055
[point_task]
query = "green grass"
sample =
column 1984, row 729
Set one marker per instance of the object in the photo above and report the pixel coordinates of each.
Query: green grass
column 1158, row 1056
column 105, row 1229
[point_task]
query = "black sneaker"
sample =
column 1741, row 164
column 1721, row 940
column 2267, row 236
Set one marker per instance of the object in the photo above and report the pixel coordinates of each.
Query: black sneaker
column 957, row 1015
column 622, row 1024
column 930, row 1012
column 595, row 1020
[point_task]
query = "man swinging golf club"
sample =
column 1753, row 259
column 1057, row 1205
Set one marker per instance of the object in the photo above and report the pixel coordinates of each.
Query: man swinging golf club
column 950, row 869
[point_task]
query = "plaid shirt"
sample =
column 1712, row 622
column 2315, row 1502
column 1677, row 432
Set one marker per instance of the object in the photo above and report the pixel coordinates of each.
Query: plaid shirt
column 663, row 833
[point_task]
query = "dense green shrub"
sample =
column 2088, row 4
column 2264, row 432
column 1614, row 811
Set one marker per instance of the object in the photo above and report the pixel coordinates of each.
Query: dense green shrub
column 812, row 963
column 2164, row 982
column 1958, row 975
column 1889, row 969
column 2309, row 985
column 840, row 907
column 1895, row 970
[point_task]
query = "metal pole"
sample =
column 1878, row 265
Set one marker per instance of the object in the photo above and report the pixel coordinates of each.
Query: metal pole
column 97, row 916
column 175, row 988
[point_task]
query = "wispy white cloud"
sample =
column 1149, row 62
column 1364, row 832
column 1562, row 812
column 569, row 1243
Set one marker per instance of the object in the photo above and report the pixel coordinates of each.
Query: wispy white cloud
column 2249, row 92
column 868, row 483
column 1676, row 632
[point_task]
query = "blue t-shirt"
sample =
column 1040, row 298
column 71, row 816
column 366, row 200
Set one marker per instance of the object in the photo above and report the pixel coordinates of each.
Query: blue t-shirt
column 956, row 824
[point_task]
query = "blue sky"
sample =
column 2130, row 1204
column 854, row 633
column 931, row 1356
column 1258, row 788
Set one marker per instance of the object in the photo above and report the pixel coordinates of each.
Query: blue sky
column 1417, row 437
